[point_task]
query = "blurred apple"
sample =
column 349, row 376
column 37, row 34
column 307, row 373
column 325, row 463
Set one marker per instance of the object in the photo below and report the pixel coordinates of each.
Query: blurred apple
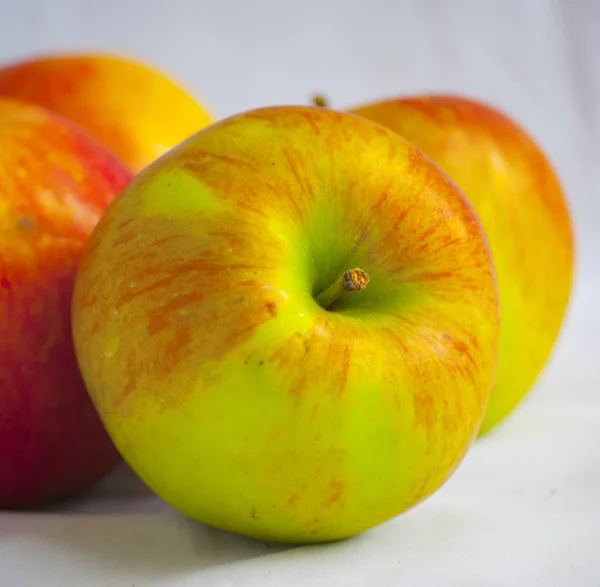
column 55, row 182
column 135, row 110
column 518, row 197
column 239, row 356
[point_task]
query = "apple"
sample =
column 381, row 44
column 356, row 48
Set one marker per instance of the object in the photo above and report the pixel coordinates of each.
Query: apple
column 134, row 109
column 519, row 200
column 289, row 325
column 55, row 182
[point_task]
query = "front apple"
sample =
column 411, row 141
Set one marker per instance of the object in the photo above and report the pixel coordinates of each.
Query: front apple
column 232, row 366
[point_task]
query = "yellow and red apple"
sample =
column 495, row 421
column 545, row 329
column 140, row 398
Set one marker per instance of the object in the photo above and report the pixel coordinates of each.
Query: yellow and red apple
column 519, row 200
column 230, row 364
column 55, row 182
column 134, row 109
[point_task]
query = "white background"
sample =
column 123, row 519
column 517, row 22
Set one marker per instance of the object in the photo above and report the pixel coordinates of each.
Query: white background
column 524, row 508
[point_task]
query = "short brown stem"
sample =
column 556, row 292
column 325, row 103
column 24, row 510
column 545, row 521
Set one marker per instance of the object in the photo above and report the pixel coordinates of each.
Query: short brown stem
column 351, row 280
column 320, row 101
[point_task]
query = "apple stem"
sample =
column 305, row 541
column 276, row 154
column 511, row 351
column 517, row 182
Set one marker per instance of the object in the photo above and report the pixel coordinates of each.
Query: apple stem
column 351, row 280
column 320, row 101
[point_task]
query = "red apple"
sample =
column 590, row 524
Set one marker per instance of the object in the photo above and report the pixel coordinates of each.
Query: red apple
column 55, row 182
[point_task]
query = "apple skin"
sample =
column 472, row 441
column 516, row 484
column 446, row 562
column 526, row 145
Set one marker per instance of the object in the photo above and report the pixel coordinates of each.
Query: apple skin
column 226, row 387
column 134, row 109
column 56, row 180
column 520, row 202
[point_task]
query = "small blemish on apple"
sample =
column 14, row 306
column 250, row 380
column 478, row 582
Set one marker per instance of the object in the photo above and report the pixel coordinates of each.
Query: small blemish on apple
column 5, row 283
column 25, row 223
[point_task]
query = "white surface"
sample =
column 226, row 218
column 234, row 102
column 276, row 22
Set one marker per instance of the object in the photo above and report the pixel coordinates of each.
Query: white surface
column 524, row 508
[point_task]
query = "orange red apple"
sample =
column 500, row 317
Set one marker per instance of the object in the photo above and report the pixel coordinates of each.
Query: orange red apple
column 55, row 182
column 518, row 197
column 135, row 110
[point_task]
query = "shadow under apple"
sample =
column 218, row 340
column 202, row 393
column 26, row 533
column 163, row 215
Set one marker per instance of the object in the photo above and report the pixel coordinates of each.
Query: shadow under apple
column 120, row 529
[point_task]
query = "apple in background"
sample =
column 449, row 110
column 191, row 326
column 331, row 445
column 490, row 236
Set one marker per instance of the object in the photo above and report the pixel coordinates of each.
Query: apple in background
column 522, row 207
column 55, row 182
column 134, row 109
column 239, row 356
